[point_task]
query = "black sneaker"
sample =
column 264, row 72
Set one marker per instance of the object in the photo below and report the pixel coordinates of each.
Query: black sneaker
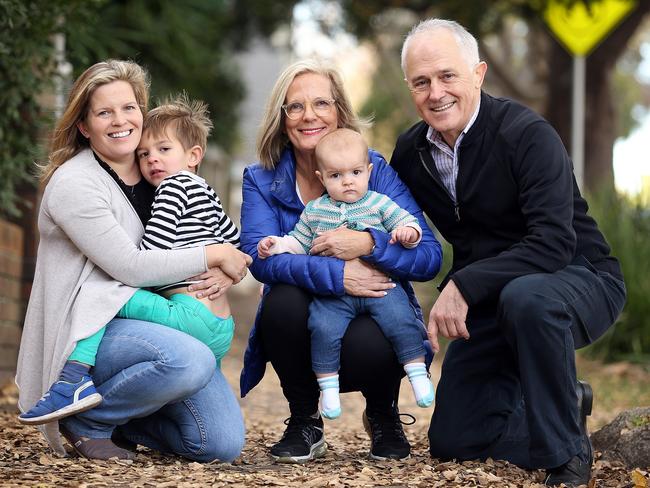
column 302, row 441
column 578, row 470
column 387, row 439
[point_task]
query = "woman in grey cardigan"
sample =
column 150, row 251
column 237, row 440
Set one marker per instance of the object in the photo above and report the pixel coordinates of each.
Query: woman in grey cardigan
column 160, row 387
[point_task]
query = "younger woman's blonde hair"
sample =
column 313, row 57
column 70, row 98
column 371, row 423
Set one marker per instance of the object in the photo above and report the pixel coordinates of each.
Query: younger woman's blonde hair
column 272, row 139
column 66, row 141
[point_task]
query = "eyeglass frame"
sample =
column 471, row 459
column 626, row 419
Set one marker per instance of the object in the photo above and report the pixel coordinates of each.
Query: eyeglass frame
column 331, row 102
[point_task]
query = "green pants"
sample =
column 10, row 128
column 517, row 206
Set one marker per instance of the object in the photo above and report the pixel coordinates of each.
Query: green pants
column 184, row 313
column 86, row 349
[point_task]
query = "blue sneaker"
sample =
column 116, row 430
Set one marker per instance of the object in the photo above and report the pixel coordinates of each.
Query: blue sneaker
column 62, row 400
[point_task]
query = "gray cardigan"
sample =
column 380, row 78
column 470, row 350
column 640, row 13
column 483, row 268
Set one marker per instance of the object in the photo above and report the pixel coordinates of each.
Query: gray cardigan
column 88, row 266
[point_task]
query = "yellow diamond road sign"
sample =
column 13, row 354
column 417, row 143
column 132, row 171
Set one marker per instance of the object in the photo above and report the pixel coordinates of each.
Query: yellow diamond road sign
column 580, row 26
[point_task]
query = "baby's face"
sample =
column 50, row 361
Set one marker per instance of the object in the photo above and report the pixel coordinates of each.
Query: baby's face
column 345, row 174
column 161, row 156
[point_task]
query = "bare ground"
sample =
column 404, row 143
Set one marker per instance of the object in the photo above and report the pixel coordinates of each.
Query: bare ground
column 25, row 459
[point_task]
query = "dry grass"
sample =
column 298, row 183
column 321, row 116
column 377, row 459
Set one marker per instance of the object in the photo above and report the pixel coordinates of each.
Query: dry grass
column 26, row 461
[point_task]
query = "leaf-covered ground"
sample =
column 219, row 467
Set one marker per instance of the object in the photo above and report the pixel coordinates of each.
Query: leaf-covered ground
column 25, row 459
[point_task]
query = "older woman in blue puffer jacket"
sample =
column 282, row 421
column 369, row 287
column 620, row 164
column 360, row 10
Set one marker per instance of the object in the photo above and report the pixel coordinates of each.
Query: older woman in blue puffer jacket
column 307, row 102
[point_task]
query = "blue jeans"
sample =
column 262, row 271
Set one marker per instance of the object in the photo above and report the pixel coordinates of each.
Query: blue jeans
column 161, row 389
column 509, row 392
column 329, row 318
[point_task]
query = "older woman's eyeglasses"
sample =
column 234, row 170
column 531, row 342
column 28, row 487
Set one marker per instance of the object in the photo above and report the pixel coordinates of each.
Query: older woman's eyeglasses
column 320, row 106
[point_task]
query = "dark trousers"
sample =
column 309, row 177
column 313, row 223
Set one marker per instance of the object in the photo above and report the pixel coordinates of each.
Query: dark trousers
column 509, row 392
column 368, row 362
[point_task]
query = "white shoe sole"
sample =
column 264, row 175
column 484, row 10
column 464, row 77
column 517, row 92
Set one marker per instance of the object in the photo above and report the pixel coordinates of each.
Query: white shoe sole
column 87, row 403
column 380, row 458
column 317, row 450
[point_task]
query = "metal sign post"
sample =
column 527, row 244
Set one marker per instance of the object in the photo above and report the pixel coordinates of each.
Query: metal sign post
column 580, row 27
column 578, row 118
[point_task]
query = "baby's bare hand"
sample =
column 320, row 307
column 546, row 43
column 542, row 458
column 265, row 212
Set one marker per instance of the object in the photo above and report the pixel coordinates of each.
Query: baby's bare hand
column 404, row 235
column 264, row 247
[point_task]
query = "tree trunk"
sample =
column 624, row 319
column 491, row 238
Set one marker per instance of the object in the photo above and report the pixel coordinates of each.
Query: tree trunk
column 558, row 100
column 600, row 126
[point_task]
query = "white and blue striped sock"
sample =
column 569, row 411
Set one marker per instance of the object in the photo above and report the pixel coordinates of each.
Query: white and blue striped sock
column 330, row 401
column 422, row 387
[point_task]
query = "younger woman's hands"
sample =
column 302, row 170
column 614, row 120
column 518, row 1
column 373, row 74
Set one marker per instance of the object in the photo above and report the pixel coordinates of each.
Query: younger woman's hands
column 214, row 283
column 231, row 260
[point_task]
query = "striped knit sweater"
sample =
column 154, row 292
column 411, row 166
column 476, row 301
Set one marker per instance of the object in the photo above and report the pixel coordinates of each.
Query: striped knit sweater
column 374, row 210
column 186, row 212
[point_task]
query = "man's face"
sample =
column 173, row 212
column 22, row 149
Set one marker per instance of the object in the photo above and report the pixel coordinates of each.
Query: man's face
column 445, row 89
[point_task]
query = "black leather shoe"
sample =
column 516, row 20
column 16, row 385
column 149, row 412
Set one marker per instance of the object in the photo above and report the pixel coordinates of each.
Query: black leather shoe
column 585, row 402
column 577, row 471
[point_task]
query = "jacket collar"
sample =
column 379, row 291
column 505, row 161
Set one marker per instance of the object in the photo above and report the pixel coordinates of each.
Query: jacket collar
column 283, row 186
column 481, row 121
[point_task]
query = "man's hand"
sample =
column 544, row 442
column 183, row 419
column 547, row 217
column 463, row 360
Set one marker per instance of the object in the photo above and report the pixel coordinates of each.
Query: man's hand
column 448, row 316
column 342, row 243
column 404, row 235
column 264, row 247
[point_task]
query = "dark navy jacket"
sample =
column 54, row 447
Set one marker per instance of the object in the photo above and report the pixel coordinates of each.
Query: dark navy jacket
column 518, row 211
column 272, row 207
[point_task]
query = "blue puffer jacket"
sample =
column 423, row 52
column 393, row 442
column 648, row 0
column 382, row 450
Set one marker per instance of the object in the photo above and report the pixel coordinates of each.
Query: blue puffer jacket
column 272, row 207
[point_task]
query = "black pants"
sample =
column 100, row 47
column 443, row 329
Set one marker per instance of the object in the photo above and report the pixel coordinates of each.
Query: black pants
column 368, row 362
column 509, row 392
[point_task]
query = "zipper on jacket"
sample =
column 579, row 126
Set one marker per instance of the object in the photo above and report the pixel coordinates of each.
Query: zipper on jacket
column 456, row 206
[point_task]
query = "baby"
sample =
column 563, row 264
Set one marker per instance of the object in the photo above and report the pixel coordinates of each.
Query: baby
column 344, row 170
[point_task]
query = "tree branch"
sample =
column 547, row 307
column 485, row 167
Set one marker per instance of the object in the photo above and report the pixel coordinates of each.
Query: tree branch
column 608, row 52
column 508, row 83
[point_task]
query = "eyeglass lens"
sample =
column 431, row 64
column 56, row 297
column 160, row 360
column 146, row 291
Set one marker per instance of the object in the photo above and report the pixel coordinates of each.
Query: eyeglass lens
column 321, row 106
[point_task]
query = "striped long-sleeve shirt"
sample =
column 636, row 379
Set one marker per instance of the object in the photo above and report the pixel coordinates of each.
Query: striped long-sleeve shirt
column 373, row 210
column 187, row 212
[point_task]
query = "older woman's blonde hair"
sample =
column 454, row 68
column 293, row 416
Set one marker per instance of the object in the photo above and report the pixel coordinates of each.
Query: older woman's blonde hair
column 272, row 139
column 66, row 140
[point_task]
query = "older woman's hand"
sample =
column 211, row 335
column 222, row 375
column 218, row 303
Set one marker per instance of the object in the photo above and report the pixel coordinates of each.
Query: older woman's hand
column 362, row 280
column 343, row 243
column 214, row 283
column 229, row 259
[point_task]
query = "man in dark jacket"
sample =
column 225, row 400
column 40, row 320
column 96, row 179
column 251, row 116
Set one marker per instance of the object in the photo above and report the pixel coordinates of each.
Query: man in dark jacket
column 532, row 278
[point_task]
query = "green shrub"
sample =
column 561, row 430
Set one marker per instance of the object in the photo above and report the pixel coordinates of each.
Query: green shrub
column 626, row 225
column 27, row 70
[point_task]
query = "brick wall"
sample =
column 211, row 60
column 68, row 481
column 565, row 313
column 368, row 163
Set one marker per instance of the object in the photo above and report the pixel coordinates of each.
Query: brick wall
column 12, row 306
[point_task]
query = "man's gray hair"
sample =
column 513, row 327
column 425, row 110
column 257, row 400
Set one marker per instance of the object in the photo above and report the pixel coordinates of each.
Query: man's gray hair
column 466, row 41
